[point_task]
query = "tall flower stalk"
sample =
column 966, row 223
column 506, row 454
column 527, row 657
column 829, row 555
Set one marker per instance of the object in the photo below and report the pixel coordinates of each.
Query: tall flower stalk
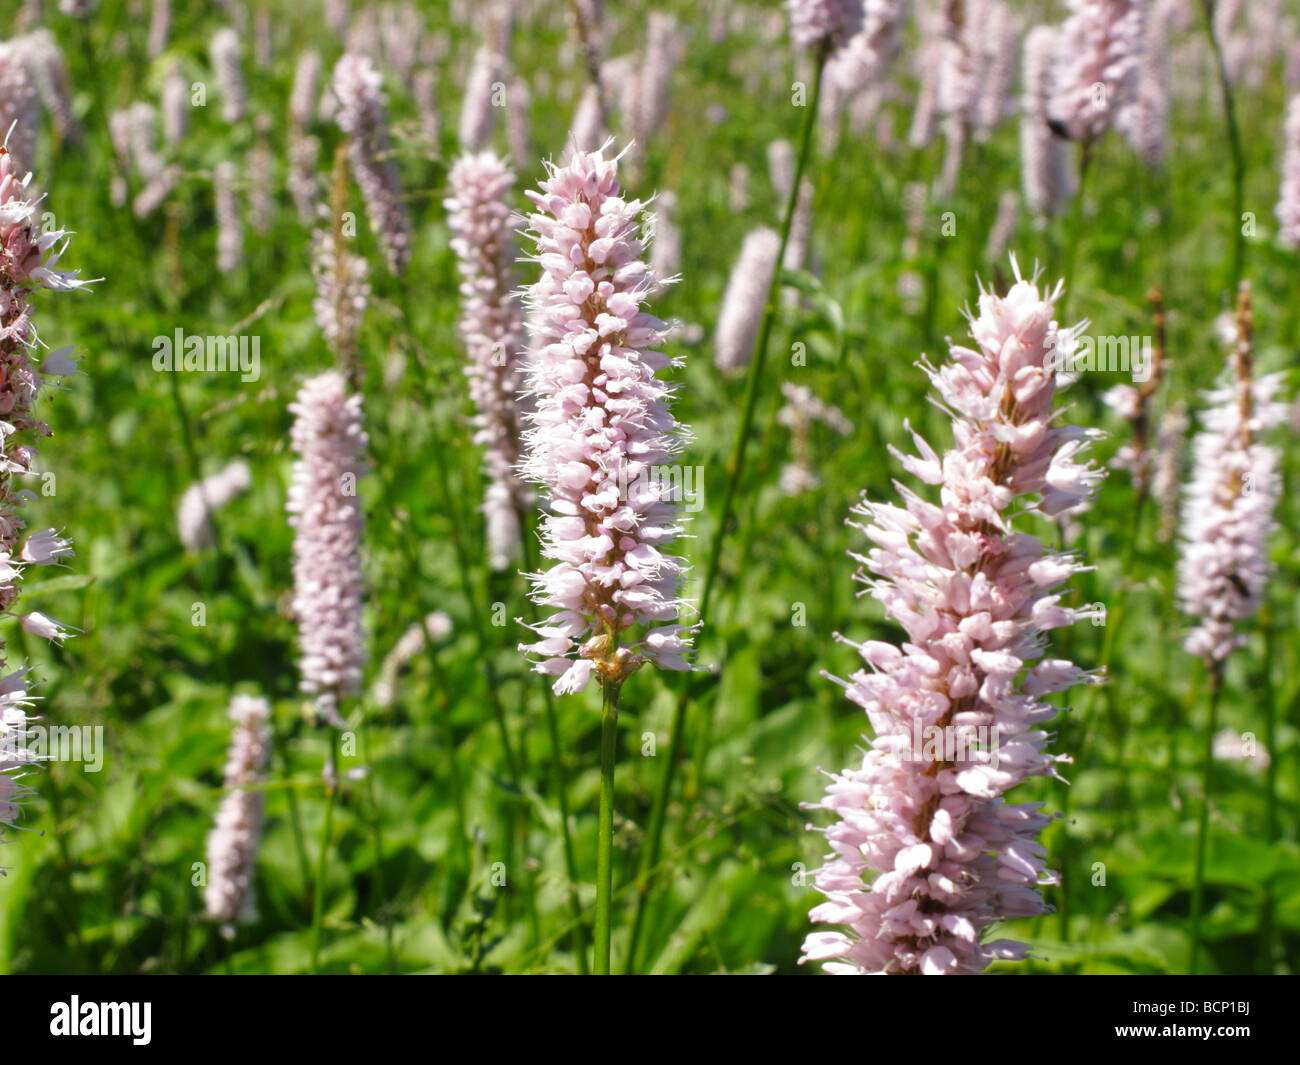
column 1234, row 145
column 1228, row 516
column 601, row 425
column 1095, row 78
column 492, row 326
column 363, row 116
column 330, row 441
column 28, row 263
column 927, row 853
column 836, row 27
column 234, row 840
column 325, row 514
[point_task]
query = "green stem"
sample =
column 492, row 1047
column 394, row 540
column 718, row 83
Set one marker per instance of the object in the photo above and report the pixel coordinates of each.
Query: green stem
column 377, row 833
column 605, row 826
column 735, row 469
column 1234, row 150
column 331, row 795
column 1203, row 822
column 560, row 778
column 1268, row 925
column 1076, row 225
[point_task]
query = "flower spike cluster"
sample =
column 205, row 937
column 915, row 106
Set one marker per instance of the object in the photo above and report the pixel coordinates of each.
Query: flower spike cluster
column 927, row 852
column 234, row 839
column 492, row 325
column 1099, row 54
column 599, row 437
column 362, row 115
column 1288, row 201
column 824, row 23
column 327, row 520
column 28, row 262
column 1229, row 503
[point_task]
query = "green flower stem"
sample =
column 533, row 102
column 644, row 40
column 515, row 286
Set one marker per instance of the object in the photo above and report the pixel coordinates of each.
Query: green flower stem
column 1215, row 671
column 331, row 796
column 1234, row 150
column 559, row 775
column 605, row 826
column 649, row 857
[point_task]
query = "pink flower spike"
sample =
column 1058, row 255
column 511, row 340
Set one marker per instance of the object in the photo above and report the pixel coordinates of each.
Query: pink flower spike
column 1229, row 503
column 602, row 437
column 926, row 852
column 492, row 326
column 325, row 513
column 233, row 842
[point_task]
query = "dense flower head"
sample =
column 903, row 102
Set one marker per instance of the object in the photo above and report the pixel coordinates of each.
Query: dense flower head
column 600, row 436
column 1045, row 166
column 19, row 99
column 362, row 115
column 224, row 51
column 306, row 80
column 1099, row 52
column 957, row 709
column 492, row 326
column 478, row 115
column 1145, row 121
column 433, row 629
column 654, row 80
column 204, row 498
column 1288, row 202
column 233, row 842
column 817, row 23
column 1229, row 504
column 325, row 513
column 745, row 297
column 864, row 56
column 29, row 260
column 342, row 291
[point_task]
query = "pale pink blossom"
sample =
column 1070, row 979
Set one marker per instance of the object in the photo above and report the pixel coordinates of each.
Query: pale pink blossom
column 864, row 56
column 492, row 326
column 477, row 113
column 600, row 429
column 306, row 85
column 1044, row 160
column 233, row 843
column 46, row 627
column 926, row 852
column 230, row 222
column 45, row 548
column 1288, row 202
column 823, row 23
column 1229, row 503
column 342, row 290
column 325, row 513
column 745, row 298
column 1098, row 56
column 362, row 115
column 224, row 52
column 201, row 500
